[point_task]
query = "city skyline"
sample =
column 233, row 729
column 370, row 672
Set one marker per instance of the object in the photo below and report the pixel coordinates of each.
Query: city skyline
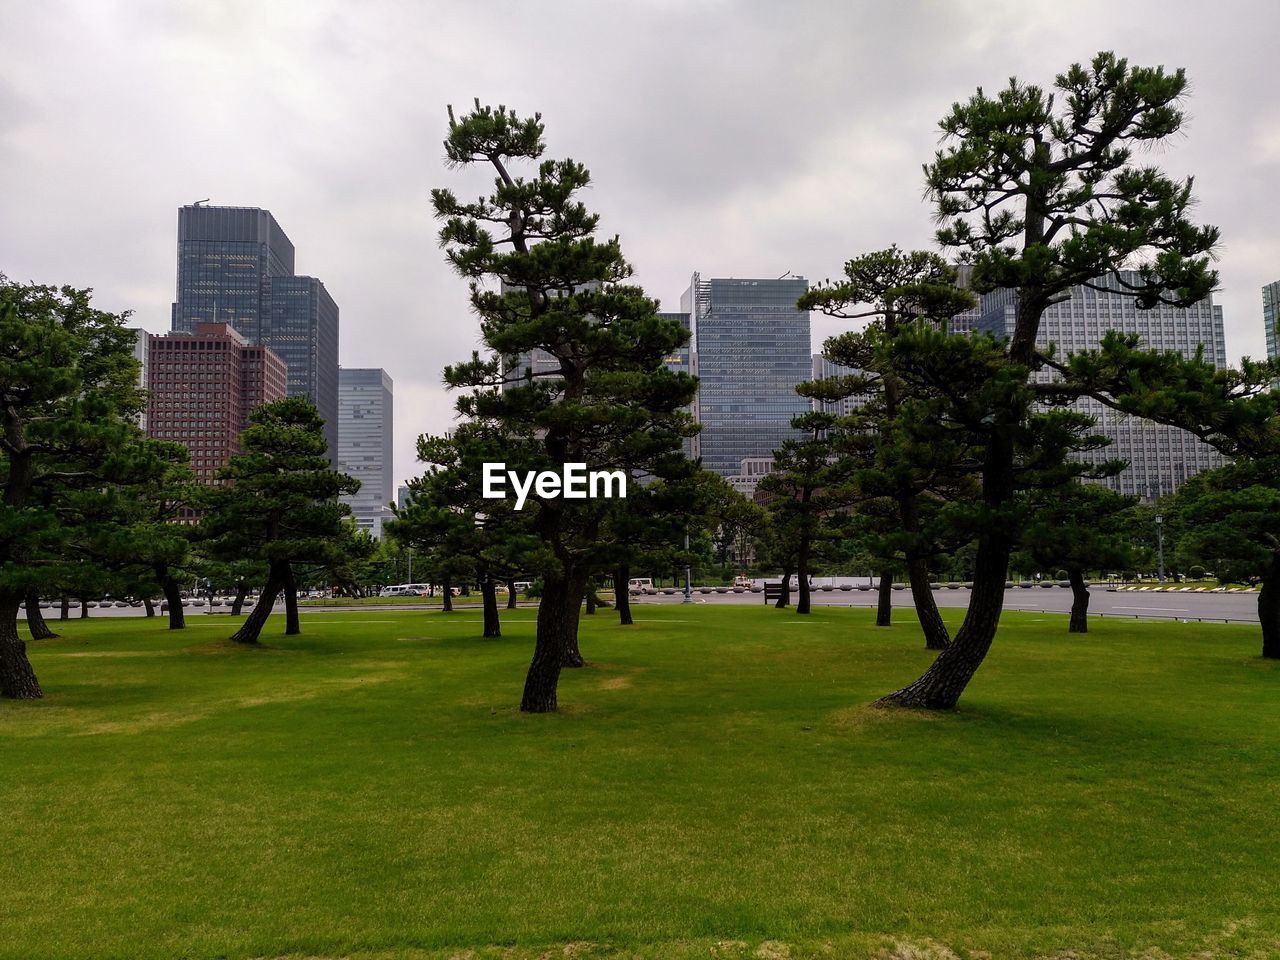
column 345, row 155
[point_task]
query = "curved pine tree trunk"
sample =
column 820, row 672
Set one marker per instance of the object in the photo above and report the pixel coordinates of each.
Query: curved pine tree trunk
column 784, row 596
column 149, row 606
column 290, row 586
column 238, row 604
column 622, row 591
column 884, row 600
column 17, row 678
column 251, row 629
column 489, row 594
column 1269, row 611
column 177, row 619
column 446, row 594
column 1079, row 602
column 940, row 686
column 38, row 629
column 558, row 612
column 511, row 594
column 936, row 636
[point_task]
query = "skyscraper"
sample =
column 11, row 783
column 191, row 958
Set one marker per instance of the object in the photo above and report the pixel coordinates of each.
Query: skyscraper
column 203, row 385
column 1160, row 458
column 824, row 369
column 142, row 353
column 235, row 266
column 966, row 321
column 365, row 443
column 752, row 349
column 300, row 323
column 1271, row 317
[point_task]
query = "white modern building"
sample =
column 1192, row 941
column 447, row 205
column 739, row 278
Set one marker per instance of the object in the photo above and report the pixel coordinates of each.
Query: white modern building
column 365, row 443
column 1160, row 458
column 1271, row 317
column 142, row 354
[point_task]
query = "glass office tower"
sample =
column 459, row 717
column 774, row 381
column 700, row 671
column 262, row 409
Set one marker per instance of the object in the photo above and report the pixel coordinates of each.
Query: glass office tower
column 235, row 266
column 752, row 350
column 365, row 443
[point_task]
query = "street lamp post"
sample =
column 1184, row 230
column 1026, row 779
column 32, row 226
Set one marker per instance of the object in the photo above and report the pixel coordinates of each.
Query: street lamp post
column 1160, row 547
column 688, row 580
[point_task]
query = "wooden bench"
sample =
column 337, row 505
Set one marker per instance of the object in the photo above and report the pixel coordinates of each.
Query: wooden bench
column 772, row 591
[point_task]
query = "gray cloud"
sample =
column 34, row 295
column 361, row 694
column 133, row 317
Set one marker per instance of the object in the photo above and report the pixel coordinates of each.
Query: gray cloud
column 732, row 138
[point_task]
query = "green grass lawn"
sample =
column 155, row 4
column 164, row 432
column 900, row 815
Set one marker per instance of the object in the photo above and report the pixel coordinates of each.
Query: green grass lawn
column 713, row 787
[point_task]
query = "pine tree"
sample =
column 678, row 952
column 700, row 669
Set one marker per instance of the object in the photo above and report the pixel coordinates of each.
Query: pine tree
column 609, row 402
column 1040, row 191
column 450, row 523
column 889, row 288
column 68, row 396
column 279, row 504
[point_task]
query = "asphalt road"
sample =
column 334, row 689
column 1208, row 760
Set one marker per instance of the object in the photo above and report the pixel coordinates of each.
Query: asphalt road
column 1121, row 603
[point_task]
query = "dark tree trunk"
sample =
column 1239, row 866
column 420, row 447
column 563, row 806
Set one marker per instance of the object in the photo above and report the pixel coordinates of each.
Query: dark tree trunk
column 177, row 619
column 290, row 585
column 35, row 619
column 446, row 596
column 251, row 629
column 936, row 636
column 784, row 598
column 558, row 614
column 941, row 685
column 466, row 589
column 1269, row 611
column 148, row 606
column 489, row 594
column 591, row 599
column 511, row 594
column 802, row 576
column 622, row 592
column 884, row 601
column 1079, row 602
column 64, row 611
column 84, row 608
column 238, row 604
column 17, row 679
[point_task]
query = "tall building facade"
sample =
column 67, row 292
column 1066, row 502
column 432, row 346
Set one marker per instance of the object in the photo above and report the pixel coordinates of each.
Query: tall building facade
column 685, row 360
column 966, row 321
column 1160, row 457
column 142, row 353
column 236, row 266
column 752, row 349
column 365, row 443
column 1271, row 317
column 203, row 385
column 824, row 369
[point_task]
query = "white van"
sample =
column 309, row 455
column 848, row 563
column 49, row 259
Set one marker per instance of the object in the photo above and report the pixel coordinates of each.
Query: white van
column 406, row 590
column 640, row 585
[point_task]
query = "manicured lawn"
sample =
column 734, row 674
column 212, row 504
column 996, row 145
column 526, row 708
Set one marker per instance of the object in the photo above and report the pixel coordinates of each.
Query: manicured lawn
column 713, row 787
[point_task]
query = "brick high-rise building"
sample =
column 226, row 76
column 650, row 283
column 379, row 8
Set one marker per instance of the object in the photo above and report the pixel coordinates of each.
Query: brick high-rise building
column 202, row 387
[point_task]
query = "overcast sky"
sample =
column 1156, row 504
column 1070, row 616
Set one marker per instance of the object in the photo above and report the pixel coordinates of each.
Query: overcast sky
column 736, row 139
